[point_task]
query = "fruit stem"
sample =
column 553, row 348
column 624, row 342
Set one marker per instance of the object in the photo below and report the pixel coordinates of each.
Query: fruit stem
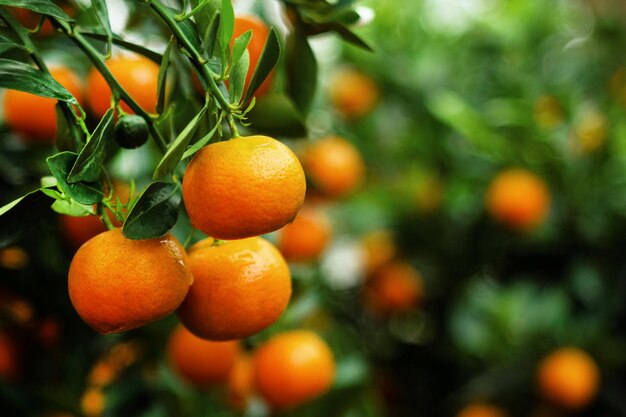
column 200, row 62
column 233, row 128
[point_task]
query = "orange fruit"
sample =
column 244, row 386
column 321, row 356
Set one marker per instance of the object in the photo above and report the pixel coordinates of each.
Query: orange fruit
column 92, row 402
column 307, row 237
column 9, row 357
column 352, row 93
column 481, row 410
column 292, row 368
column 394, row 287
column 14, row 257
column 34, row 118
column 379, row 248
column 240, row 384
column 243, row 187
column 518, row 199
column 334, row 166
column 568, row 377
column 201, row 362
column 118, row 284
column 260, row 32
column 136, row 74
column 240, row 287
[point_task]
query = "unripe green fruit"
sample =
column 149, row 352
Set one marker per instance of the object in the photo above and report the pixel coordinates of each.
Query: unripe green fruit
column 131, row 131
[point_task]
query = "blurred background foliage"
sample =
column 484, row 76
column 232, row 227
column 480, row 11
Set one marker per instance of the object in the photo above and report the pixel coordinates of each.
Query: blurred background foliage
column 461, row 90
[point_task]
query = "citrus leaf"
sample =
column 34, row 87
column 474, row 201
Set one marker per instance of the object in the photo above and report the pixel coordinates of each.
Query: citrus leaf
column 85, row 193
column 46, row 7
column 239, row 47
column 154, row 213
column 267, row 62
column 6, row 44
column 276, row 115
column 72, row 208
column 162, row 79
column 238, row 74
column 227, row 27
column 19, row 216
column 202, row 142
column 102, row 13
column 301, row 68
column 69, row 137
column 203, row 18
column 351, row 37
column 175, row 151
column 89, row 163
column 210, row 36
column 188, row 29
column 16, row 75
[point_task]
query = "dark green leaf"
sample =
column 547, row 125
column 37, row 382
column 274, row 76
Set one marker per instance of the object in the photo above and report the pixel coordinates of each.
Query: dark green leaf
column 276, row 115
column 85, row 193
column 46, row 7
column 88, row 165
column 176, row 150
column 69, row 136
column 227, row 27
column 154, row 213
column 301, row 71
column 162, row 79
column 238, row 74
column 202, row 142
column 267, row 62
column 148, row 53
column 189, row 30
column 6, row 44
column 352, row 37
column 102, row 13
column 204, row 16
column 19, row 216
column 16, row 75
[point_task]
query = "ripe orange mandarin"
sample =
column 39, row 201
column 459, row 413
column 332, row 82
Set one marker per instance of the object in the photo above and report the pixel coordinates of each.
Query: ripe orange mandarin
column 118, row 284
column 353, row 94
column 201, row 362
column 33, row 117
column 307, row 237
column 518, row 199
column 481, row 410
column 334, row 166
column 243, row 187
column 240, row 287
column 568, row 377
column 394, row 287
column 292, row 368
column 136, row 74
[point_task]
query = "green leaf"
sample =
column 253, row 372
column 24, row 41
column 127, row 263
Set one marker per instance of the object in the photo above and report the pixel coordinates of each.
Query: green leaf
column 16, row 75
column 238, row 74
column 189, row 30
column 275, row 115
column 102, row 13
column 351, row 37
column 46, row 7
column 301, row 67
column 154, row 213
column 239, row 47
column 202, row 142
column 267, row 62
column 19, row 216
column 227, row 27
column 6, row 44
column 85, row 193
column 88, row 165
column 131, row 46
column 72, row 208
column 69, row 136
column 203, row 17
column 176, row 150
column 210, row 36
column 162, row 79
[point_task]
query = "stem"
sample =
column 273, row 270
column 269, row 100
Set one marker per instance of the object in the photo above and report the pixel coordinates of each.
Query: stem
column 233, row 128
column 105, row 217
column 200, row 62
column 117, row 90
column 184, row 16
